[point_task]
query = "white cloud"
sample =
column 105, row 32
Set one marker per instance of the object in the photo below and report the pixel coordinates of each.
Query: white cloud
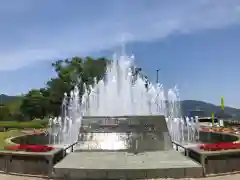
column 142, row 22
column 18, row 59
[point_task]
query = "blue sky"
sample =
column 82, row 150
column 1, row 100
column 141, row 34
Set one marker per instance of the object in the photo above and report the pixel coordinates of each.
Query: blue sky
column 194, row 42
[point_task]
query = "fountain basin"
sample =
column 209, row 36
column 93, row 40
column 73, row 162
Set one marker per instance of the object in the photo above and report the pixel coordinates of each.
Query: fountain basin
column 216, row 162
column 121, row 132
column 31, row 163
column 214, row 137
column 31, row 139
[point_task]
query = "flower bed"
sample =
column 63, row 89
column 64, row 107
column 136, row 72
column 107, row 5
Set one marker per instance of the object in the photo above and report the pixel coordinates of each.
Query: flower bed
column 220, row 146
column 30, row 148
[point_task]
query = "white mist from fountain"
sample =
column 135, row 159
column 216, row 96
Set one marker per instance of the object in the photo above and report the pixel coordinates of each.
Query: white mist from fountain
column 121, row 92
column 182, row 130
column 64, row 130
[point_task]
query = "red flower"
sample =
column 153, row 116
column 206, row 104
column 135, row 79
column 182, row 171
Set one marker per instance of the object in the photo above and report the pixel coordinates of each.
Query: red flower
column 31, row 148
column 220, row 146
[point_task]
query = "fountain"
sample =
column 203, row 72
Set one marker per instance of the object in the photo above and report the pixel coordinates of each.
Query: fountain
column 122, row 92
column 120, row 122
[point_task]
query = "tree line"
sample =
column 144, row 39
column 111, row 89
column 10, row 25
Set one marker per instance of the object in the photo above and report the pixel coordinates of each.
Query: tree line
column 46, row 101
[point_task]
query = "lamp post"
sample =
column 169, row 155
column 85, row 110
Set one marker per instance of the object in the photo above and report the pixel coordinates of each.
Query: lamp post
column 157, row 75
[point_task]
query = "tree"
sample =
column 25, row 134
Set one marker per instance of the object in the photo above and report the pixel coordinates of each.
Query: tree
column 48, row 100
column 94, row 69
column 4, row 113
column 34, row 104
column 14, row 109
column 69, row 73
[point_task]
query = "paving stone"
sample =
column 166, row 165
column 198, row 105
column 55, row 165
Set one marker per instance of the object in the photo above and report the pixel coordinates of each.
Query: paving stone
column 193, row 172
column 220, row 166
column 133, row 174
column 117, row 174
column 97, row 174
column 156, row 173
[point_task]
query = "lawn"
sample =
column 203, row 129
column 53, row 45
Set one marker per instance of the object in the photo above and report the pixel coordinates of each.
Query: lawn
column 8, row 134
column 15, row 128
column 37, row 124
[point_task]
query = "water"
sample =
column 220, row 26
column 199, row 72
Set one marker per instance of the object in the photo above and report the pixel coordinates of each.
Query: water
column 105, row 141
column 123, row 91
column 184, row 130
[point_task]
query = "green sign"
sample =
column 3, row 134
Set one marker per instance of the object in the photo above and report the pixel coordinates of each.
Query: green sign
column 222, row 102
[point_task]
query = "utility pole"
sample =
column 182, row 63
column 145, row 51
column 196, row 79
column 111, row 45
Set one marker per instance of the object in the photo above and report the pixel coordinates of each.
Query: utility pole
column 157, row 75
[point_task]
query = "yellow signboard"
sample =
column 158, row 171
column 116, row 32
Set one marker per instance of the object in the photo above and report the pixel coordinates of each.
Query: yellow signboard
column 222, row 102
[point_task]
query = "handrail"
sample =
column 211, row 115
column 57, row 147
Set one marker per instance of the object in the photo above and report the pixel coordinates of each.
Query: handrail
column 68, row 147
column 179, row 145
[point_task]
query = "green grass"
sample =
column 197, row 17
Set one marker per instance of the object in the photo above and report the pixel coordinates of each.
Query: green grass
column 7, row 134
column 15, row 127
column 37, row 124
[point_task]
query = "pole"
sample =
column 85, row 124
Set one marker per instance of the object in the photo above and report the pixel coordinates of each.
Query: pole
column 222, row 106
column 157, row 75
column 213, row 118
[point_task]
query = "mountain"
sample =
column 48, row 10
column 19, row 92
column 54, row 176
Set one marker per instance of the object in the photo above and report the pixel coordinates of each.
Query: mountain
column 6, row 99
column 208, row 108
column 186, row 106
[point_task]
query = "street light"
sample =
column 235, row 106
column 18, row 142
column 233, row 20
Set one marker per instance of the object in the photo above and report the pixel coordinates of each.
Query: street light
column 157, row 75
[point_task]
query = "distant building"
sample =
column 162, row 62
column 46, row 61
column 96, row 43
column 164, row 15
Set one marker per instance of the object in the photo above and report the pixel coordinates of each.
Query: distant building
column 207, row 119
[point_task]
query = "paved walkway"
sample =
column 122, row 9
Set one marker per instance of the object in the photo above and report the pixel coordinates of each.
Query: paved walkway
column 14, row 177
column 228, row 177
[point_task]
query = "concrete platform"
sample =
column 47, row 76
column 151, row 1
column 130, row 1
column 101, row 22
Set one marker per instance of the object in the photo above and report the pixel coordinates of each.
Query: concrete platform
column 147, row 154
column 123, row 165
